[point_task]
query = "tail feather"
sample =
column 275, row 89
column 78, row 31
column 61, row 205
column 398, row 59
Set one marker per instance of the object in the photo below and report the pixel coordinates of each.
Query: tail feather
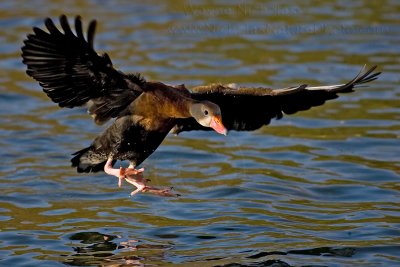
column 86, row 160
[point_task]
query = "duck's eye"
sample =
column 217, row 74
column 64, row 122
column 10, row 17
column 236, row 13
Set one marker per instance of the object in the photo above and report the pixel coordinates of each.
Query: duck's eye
column 206, row 112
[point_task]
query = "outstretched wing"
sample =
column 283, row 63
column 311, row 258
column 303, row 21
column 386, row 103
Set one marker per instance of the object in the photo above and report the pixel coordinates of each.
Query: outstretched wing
column 73, row 74
column 247, row 109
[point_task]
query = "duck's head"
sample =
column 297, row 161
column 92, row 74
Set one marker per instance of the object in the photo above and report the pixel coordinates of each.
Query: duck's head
column 208, row 114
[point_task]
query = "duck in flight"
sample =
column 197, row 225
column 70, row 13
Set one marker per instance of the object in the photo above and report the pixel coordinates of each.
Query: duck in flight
column 72, row 74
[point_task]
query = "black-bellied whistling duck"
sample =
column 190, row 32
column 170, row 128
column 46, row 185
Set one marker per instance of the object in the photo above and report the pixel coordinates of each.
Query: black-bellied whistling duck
column 72, row 74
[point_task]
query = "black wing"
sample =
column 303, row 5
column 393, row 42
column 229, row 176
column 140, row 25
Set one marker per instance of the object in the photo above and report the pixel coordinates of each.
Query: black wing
column 73, row 74
column 247, row 109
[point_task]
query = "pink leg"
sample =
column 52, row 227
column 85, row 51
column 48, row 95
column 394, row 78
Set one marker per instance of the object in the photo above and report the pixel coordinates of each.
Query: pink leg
column 135, row 177
column 119, row 173
column 141, row 185
column 108, row 168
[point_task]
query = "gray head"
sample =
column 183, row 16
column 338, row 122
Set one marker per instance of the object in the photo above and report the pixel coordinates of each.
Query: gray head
column 208, row 114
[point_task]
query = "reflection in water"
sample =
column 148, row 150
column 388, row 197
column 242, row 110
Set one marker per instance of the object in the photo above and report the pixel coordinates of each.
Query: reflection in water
column 320, row 188
column 98, row 243
column 96, row 247
column 99, row 249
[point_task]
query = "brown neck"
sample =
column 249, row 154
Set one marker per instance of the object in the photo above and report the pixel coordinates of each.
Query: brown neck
column 167, row 101
column 186, row 106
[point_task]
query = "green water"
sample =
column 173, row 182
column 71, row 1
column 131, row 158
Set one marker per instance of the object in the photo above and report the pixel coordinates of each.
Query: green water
column 319, row 188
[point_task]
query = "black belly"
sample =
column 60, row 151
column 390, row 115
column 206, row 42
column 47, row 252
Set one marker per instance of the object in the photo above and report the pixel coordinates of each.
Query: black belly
column 127, row 141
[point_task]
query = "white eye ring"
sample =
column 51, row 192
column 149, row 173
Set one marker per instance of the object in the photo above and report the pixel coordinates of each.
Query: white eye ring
column 206, row 112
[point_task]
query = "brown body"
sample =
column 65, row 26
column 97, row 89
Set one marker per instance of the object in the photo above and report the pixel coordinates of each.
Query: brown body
column 137, row 134
column 159, row 106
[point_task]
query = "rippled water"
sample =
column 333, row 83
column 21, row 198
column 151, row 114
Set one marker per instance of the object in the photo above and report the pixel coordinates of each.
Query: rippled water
column 319, row 188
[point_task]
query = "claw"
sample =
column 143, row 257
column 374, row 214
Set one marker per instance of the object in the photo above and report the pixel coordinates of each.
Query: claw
column 165, row 192
column 120, row 179
column 135, row 177
column 131, row 171
column 121, row 176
